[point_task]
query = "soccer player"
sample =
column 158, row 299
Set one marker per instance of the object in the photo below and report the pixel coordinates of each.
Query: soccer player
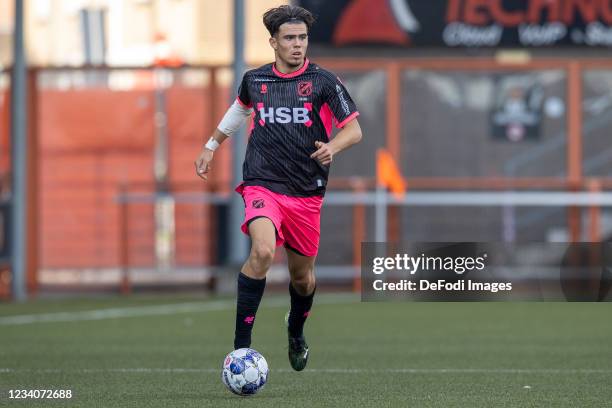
column 293, row 103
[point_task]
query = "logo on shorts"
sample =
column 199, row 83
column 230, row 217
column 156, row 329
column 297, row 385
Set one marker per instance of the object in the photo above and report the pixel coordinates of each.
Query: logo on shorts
column 304, row 88
column 259, row 203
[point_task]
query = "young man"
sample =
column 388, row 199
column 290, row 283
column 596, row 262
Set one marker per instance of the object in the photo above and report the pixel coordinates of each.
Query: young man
column 293, row 103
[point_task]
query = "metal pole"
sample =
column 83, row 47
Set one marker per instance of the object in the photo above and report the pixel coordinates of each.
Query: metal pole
column 165, row 244
column 18, row 158
column 380, row 215
column 238, row 245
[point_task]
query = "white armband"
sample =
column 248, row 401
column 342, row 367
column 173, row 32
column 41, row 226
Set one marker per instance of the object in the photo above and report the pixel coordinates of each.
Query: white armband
column 233, row 119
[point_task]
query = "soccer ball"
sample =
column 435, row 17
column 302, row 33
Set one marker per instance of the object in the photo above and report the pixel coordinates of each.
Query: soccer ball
column 245, row 371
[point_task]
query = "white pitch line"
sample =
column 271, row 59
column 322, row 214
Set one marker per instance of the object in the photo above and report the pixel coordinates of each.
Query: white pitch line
column 112, row 313
column 144, row 370
column 156, row 310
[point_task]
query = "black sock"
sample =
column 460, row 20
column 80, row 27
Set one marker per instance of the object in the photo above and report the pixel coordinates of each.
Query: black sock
column 300, row 309
column 250, row 292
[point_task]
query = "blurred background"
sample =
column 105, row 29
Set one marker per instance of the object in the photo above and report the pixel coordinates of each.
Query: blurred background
column 497, row 115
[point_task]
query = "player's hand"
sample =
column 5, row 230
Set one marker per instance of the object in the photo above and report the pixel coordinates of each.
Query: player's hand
column 203, row 163
column 324, row 153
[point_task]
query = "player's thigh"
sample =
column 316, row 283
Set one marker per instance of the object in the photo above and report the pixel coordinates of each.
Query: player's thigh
column 301, row 268
column 263, row 235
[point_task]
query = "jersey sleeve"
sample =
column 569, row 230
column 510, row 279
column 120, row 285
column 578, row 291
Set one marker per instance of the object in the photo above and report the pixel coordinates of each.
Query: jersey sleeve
column 341, row 103
column 243, row 93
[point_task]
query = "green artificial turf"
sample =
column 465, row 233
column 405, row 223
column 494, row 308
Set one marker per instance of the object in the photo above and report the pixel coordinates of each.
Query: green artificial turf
column 362, row 354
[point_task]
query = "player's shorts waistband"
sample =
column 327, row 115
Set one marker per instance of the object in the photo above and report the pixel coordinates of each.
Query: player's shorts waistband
column 280, row 188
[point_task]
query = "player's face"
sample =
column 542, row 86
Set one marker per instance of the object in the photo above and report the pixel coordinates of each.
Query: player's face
column 290, row 44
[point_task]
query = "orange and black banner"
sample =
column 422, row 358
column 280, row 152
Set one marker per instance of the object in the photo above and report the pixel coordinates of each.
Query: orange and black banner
column 462, row 23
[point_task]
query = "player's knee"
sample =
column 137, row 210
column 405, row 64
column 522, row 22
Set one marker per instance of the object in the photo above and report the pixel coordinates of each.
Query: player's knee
column 262, row 255
column 304, row 284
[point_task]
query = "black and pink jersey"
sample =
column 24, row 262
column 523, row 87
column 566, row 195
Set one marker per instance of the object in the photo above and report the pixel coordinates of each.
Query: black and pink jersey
column 290, row 113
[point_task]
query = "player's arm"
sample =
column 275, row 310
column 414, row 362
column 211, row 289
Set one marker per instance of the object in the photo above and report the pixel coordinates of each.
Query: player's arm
column 348, row 136
column 229, row 125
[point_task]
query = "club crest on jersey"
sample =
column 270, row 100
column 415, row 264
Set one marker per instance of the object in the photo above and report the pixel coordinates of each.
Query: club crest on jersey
column 264, row 88
column 304, row 88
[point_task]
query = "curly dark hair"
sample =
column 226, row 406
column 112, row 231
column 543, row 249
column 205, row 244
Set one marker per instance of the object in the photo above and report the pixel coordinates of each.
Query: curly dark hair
column 278, row 16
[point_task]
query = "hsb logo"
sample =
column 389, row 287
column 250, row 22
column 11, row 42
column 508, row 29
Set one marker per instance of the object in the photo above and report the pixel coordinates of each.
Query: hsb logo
column 283, row 115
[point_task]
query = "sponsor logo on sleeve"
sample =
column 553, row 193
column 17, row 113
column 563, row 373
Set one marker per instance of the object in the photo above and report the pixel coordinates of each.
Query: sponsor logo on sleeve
column 342, row 99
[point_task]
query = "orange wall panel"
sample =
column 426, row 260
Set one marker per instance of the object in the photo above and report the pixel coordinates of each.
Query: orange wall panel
column 91, row 142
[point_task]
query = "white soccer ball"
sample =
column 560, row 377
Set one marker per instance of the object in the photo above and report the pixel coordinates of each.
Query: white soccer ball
column 245, row 371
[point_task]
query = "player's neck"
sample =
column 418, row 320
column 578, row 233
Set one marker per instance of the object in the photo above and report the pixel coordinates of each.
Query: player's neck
column 284, row 68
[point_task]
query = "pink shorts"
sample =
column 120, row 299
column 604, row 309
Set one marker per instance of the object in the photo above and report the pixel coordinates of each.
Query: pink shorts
column 297, row 219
